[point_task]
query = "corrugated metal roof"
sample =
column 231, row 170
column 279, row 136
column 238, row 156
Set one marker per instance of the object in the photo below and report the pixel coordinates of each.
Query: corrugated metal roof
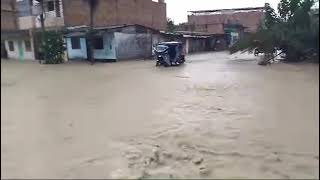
column 234, row 9
column 76, row 34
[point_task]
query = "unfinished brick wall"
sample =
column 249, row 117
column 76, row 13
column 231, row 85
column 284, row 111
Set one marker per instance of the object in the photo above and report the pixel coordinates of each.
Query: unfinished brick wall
column 116, row 12
column 8, row 15
column 251, row 20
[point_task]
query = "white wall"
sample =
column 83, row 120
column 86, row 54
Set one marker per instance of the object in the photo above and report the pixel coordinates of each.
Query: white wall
column 27, row 55
column 77, row 53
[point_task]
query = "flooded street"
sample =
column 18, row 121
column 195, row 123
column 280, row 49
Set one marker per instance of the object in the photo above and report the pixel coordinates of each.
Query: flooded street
column 217, row 116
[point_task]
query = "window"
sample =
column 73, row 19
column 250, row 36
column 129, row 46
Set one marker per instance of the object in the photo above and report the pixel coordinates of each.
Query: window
column 27, row 44
column 75, row 43
column 98, row 43
column 51, row 6
column 11, row 46
column 58, row 12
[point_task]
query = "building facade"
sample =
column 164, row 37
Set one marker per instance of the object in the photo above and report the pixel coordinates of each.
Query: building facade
column 126, row 28
column 147, row 13
column 28, row 10
column 8, row 22
column 112, row 43
column 230, row 23
column 20, row 43
column 145, row 16
column 213, row 21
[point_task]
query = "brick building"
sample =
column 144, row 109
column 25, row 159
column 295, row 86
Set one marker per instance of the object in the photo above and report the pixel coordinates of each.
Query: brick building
column 232, row 23
column 213, row 21
column 117, row 12
column 8, row 15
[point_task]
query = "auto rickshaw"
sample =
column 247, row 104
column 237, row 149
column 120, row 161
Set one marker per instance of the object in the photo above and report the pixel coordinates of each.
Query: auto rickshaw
column 169, row 53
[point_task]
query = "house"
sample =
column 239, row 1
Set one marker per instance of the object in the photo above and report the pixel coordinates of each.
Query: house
column 213, row 21
column 116, row 43
column 8, row 22
column 21, row 42
column 195, row 41
column 111, row 43
column 124, row 29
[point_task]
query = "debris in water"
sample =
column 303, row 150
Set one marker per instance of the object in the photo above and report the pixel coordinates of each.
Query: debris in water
column 203, row 170
column 273, row 157
column 156, row 154
column 197, row 160
column 167, row 154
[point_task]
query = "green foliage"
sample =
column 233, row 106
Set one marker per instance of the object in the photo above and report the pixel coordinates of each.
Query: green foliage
column 53, row 47
column 295, row 31
column 170, row 25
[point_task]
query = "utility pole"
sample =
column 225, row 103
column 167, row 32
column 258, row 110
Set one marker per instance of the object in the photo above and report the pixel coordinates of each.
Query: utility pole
column 92, row 7
column 42, row 26
column 91, row 4
column 42, row 16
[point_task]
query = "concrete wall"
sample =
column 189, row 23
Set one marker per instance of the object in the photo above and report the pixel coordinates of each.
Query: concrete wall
column 26, row 22
column 130, row 46
column 51, row 22
column 26, row 55
column 196, row 45
column 115, row 12
column 77, row 53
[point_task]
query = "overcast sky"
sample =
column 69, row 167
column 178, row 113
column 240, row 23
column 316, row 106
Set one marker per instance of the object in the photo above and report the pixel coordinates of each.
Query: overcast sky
column 177, row 9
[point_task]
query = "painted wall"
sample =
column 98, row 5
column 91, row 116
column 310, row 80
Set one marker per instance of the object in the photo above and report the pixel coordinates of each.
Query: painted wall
column 109, row 51
column 130, row 46
column 77, row 53
column 26, row 55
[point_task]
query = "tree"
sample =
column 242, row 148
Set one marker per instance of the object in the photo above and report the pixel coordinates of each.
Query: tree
column 294, row 32
column 53, row 47
column 170, row 25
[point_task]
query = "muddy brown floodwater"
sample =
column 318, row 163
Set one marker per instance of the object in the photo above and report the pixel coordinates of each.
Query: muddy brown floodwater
column 217, row 116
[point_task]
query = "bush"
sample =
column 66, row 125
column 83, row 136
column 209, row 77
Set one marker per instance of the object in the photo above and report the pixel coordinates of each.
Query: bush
column 53, row 47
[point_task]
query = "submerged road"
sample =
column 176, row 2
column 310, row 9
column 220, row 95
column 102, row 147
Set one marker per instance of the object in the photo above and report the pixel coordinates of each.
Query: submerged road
column 217, row 116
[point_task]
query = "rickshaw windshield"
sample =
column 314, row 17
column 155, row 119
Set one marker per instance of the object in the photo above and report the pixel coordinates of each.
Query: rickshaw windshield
column 161, row 48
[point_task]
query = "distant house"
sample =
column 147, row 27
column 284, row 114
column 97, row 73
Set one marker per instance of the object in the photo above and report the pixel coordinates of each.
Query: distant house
column 213, row 21
column 233, row 23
